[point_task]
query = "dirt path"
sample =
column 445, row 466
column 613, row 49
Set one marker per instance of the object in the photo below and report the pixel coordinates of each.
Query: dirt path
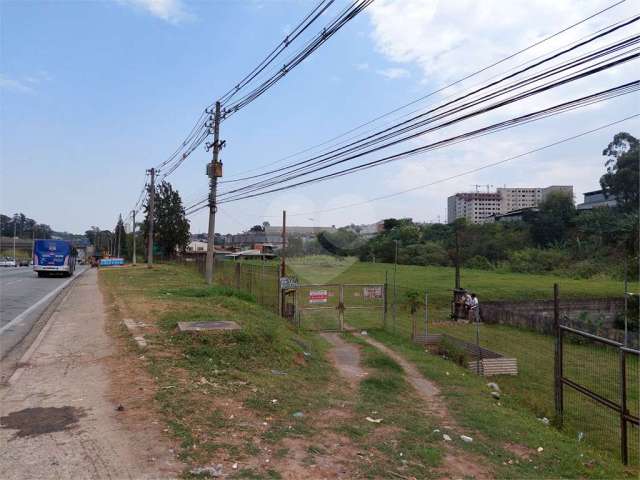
column 456, row 463
column 345, row 357
column 57, row 417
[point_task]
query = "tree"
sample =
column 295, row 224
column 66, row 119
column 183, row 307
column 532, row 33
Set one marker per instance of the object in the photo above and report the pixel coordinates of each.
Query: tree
column 551, row 224
column 121, row 246
column 257, row 228
column 622, row 177
column 171, row 227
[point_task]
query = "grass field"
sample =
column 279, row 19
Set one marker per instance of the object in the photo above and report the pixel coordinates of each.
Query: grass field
column 532, row 389
column 223, row 402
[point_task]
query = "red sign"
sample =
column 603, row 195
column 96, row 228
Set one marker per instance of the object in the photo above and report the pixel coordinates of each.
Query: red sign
column 318, row 296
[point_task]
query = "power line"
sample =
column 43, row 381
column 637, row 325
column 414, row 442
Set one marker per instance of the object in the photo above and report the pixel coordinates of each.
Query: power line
column 456, row 82
column 359, row 143
column 534, row 116
column 464, row 173
column 322, row 163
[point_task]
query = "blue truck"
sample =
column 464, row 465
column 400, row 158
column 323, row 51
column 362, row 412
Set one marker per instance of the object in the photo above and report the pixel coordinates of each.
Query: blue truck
column 54, row 257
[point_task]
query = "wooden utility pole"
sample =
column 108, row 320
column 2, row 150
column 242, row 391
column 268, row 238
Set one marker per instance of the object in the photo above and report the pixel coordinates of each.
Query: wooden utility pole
column 457, row 256
column 283, row 260
column 214, row 170
column 152, row 209
column 119, row 234
column 133, row 214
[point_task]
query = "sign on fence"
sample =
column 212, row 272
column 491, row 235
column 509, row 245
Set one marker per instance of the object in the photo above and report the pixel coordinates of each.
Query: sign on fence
column 287, row 283
column 373, row 292
column 318, row 296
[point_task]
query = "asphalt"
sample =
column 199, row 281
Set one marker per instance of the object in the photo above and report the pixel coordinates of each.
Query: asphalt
column 23, row 298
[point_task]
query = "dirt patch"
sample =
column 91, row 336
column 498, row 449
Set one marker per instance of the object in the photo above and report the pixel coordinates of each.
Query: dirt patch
column 345, row 358
column 457, row 465
column 519, row 450
column 39, row 420
column 428, row 390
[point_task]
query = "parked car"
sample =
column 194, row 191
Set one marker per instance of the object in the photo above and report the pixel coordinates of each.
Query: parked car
column 7, row 262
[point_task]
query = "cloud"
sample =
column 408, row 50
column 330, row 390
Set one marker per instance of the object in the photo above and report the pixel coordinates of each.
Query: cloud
column 361, row 66
column 16, row 86
column 394, row 73
column 171, row 11
column 449, row 39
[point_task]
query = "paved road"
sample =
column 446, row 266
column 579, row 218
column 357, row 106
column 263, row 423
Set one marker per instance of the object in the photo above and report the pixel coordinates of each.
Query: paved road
column 23, row 298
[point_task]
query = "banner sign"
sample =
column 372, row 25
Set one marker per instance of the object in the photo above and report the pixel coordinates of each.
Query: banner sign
column 109, row 262
column 372, row 292
column 318, row 296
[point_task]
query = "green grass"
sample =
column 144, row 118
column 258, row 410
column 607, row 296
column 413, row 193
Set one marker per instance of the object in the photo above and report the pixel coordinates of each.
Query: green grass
column 195, row 373
column 497, row 423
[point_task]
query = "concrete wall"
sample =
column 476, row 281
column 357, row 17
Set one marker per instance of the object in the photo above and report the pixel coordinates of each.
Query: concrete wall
column 595, row 316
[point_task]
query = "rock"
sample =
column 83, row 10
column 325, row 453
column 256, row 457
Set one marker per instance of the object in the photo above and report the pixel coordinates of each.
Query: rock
column 235, row 466
column 464, row 438
column 298, row 414
column 120, row 408
column 446, row 437
column 374, row 420
column 211, row 471
column 278, row 372
column 437, row 430
column 363, row 332
column 544, row 420
column 496, row 395
column 493, row 386
column 580, row 436
column 540, row 449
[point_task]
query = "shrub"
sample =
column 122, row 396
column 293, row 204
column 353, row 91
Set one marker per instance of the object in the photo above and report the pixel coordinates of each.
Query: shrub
column 535, row 260
column 479, row 262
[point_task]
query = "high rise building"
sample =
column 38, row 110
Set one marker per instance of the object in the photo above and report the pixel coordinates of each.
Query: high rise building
column 479, row 207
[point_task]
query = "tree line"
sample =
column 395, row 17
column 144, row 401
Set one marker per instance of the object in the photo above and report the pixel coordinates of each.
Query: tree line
column 555, row 237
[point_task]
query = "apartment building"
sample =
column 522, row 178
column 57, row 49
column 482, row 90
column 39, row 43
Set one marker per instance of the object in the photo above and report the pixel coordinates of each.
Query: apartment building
column 480, row 207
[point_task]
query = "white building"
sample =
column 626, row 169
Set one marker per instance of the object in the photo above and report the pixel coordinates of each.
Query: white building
column 479, row 207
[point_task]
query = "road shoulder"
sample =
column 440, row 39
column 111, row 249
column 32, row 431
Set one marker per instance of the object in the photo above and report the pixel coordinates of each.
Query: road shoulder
column 60, row 417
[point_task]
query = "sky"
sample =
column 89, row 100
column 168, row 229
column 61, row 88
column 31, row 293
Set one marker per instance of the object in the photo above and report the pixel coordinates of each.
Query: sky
column 93, row 93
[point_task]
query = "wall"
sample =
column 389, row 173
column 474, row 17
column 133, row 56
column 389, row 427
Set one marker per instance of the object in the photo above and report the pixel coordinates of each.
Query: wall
column 595, row 316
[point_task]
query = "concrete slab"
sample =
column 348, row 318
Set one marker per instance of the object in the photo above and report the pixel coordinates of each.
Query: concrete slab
column 207, row 326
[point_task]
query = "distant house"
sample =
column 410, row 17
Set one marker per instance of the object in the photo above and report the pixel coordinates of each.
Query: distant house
column 596, row 199
column 196, row 246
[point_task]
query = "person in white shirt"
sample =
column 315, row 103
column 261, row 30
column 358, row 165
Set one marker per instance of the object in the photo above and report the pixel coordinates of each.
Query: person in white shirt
column 474, row 308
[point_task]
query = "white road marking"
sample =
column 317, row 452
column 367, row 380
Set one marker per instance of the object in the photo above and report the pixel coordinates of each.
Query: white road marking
column 23, row 315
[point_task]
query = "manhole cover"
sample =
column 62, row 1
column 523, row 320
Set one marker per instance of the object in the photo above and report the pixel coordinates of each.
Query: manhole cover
column 207, row 326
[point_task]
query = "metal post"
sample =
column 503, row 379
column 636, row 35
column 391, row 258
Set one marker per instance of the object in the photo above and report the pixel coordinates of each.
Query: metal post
column 341, row 309
column 395, row 289
column 33, row 241
column 133, row 213
column 14, row 240
column 426, row 314
column 386, row 303
column 626, row 301
column 152, row 209
column 283, row 261
column 118, row 234
column 214, row 171
column 559, row 400
column 624, row 449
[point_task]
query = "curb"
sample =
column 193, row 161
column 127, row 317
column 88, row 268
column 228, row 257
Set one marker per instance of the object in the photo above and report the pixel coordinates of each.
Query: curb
column 134, row 329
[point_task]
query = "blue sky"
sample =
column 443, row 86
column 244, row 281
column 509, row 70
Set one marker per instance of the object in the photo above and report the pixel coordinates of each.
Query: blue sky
column 93, row 93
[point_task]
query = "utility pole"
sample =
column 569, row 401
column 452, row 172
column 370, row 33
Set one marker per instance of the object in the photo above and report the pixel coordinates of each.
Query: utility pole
column 14, row 241
column 133, row 214
column 33, row 240
column 118, row 234
column 457, row 264
column 283, row 260
column 214, row 170
column 152, row 207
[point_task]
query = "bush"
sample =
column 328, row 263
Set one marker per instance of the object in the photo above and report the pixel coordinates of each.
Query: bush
column 454, row 352
column 479, row 262
column 535, row 260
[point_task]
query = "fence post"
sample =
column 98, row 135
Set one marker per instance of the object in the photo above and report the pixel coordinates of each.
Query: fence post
column 237, row 275
column 426, row 314
column 624, row 451
column 559, row 400
column 341, row 309
column 395, row 302
column 384, row 313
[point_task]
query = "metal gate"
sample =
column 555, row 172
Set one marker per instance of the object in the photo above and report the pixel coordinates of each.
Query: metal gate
column 338, row 307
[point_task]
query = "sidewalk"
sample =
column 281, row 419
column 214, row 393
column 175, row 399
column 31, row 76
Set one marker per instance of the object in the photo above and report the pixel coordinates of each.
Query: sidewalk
column 57, row 418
